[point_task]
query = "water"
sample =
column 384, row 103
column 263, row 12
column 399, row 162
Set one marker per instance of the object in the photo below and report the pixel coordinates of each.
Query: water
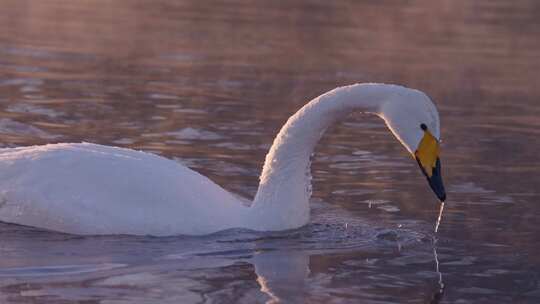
column 210, row 84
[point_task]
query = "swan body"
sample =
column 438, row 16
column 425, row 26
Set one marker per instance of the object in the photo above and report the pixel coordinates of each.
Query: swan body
column 85, row 188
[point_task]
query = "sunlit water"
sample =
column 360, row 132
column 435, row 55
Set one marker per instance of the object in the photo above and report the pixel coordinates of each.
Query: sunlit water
column 209, row 85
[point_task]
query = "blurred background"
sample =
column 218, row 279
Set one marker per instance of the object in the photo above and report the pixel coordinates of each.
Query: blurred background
column 209, row 84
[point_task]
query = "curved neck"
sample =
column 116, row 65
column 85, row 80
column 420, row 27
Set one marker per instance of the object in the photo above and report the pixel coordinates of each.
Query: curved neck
column 285, row 181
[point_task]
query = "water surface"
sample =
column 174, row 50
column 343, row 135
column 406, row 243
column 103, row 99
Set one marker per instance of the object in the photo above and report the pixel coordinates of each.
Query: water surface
column 209, row 84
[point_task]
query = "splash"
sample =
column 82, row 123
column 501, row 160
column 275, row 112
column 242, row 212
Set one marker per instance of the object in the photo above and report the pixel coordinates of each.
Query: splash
column 437, row 296
column 439, row 218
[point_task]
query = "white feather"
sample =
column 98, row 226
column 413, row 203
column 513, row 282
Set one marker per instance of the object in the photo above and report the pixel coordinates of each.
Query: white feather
column 85, row 188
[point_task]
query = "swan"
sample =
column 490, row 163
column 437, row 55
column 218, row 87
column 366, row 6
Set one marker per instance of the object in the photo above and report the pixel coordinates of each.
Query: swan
column 91, row 189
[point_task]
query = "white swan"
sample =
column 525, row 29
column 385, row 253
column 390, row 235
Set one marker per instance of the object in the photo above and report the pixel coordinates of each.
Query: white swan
column 84, row 188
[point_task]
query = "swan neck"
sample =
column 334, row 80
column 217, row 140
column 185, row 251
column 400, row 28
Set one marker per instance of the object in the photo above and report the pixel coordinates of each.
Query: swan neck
column 285, row 182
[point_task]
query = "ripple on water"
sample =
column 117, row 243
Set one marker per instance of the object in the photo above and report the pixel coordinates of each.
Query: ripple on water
column 56, row 270
column 33, row 109
column 194, row 134
column 10, row 126
column 34, row 82
column 477, row 195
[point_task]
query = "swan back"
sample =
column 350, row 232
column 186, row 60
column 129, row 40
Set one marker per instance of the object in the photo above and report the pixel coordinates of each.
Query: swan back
column 93, row 189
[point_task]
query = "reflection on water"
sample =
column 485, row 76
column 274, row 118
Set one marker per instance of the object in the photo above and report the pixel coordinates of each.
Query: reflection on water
column 282, row 275
column 209, row 85
column 438, row 294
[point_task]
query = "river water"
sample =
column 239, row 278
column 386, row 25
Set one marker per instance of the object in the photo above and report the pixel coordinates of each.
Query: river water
column 209, row 83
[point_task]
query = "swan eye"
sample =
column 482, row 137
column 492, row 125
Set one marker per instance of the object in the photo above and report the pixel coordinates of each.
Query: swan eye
column 423, row 126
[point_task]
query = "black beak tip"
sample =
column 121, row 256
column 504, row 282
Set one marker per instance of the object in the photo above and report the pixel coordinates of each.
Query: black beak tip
column 442, row 197
column 435, row 180
column 438, row 188
column 436, row 183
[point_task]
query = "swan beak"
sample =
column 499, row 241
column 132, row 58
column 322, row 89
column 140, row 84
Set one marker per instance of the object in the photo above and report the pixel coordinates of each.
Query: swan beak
column 427, row 157
column 436, row 182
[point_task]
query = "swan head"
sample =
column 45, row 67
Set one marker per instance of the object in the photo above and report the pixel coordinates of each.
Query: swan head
column 414, row 121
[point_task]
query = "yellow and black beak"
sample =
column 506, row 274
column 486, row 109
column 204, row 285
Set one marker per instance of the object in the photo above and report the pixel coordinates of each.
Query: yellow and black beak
column 427, row 156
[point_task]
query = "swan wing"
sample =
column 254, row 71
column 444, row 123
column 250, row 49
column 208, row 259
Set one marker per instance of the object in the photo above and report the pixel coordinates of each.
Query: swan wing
column 93, row 189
